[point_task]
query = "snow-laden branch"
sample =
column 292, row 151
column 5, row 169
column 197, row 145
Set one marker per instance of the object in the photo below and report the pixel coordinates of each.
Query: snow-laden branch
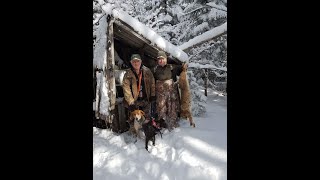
column 219, row 7
column 209, row 5
column 184, row 14
column 203, row 49
column 207, row 66
column 213, row 33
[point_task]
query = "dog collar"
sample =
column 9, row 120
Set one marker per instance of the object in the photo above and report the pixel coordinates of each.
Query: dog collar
column 154, row 124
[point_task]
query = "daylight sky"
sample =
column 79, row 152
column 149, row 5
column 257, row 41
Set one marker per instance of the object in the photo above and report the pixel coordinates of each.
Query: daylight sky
column 186, row 153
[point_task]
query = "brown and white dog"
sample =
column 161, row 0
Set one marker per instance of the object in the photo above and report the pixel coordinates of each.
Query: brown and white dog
column 185, row 97
column 138, row 119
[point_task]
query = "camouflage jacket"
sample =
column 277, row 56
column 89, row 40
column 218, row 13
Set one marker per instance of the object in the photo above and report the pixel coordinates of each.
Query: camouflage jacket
column 169, row 71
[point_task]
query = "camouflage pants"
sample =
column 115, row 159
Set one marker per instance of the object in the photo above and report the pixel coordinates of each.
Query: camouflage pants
column 167, row 102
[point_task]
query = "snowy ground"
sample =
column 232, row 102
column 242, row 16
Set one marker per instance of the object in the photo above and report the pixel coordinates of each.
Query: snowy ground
column 185, row 153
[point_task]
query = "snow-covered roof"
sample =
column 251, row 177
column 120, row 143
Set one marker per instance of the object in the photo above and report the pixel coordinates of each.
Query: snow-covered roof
column 150, row 35
column 205, row 36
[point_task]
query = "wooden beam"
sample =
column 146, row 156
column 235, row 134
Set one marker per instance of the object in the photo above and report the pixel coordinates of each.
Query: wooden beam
column 110, row 66
column 206, row 83
column 125, row 27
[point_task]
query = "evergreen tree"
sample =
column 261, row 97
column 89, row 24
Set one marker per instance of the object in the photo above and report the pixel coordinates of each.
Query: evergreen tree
column 199, row 16
column 198, row 98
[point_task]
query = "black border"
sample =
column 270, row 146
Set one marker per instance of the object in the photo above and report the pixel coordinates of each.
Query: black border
column 47, row 129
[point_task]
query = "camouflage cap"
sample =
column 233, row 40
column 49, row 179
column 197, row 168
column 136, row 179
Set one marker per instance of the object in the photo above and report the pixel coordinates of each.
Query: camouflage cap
column 161, row 54
column 135, row 56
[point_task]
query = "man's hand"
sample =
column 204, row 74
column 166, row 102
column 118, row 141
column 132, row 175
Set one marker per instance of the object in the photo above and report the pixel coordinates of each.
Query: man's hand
column 133, row 107
column 153, row 99
column 184, row 66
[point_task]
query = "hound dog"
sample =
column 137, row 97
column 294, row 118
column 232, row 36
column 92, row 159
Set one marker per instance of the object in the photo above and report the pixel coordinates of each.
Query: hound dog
column 138, row 117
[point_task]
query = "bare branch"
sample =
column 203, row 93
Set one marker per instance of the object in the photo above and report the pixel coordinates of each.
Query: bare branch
column 94, row 22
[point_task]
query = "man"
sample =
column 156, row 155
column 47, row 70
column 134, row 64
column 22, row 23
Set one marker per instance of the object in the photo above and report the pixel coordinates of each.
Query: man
column 139, row 86
column 167, row 101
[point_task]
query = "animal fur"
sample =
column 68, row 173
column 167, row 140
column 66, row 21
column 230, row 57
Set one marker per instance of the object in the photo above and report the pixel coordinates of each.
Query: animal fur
column 138, row 118
column 185, row 101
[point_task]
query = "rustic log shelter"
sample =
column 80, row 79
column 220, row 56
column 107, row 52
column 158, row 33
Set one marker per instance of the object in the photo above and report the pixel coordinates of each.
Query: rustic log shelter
column 122, row 42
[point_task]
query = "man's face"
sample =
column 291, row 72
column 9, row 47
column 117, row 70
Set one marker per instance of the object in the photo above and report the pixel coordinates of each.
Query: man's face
column 136, row 64
column 162, row 61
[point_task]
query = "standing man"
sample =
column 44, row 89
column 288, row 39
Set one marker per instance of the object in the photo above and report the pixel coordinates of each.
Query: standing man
column 139, row 86
column 167, row 101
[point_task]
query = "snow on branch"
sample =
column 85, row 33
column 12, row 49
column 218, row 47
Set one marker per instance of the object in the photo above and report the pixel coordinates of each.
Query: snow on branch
column 219, row 7
column 202, row 49
column 213, row 33
column 205, row 66
column 209, row 5
column 202, row 7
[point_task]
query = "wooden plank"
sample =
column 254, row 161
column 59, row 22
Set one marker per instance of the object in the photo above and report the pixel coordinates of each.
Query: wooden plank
column 125, row 27
column 206, row 82
column 98, row 96
column 126, row 37
column 110, row 66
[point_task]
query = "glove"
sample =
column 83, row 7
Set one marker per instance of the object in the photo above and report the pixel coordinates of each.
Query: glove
column 133, row 107
column 184, row 66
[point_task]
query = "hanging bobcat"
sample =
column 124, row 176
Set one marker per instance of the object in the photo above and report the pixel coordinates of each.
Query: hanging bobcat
column 185, row 101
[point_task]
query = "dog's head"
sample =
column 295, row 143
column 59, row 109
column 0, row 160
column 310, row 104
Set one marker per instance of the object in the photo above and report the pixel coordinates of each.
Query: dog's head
column 136, row 114
column 151, row 128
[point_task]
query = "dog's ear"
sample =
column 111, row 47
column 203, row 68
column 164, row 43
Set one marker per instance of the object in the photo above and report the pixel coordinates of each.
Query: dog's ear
column 142, row 112
column 131, row 115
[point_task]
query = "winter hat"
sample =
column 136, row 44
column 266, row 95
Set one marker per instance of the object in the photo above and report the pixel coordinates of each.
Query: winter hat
column 135, row 56
column 162, row 54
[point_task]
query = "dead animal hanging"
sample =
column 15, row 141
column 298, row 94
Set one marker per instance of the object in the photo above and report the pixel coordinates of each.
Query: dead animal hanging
column 185, row 101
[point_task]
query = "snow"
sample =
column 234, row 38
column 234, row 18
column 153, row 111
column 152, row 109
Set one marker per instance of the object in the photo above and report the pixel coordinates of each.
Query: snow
column 151, row 35
column 185, row 153
column 100, row 54
column 220, row 7
column 209, row 66
column 205, row 36
column 102, row 89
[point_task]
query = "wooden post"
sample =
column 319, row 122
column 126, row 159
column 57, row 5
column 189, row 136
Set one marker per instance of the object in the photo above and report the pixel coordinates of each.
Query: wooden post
column 110, row 66
column 206, row 82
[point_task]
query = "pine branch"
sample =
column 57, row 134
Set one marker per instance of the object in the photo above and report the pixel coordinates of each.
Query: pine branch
column 206, row 47
column 206, row 6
